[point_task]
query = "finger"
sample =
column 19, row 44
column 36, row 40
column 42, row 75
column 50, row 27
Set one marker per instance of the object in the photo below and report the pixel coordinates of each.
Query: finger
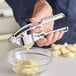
column 41, row 42
column 48, row 26
column 34, row 19
column 39, row 16
column 55, row 37
column 61, row 35
column 49, row 39
column 36, row 30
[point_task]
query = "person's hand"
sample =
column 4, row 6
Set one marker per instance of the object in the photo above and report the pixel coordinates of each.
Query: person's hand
column 43, row 10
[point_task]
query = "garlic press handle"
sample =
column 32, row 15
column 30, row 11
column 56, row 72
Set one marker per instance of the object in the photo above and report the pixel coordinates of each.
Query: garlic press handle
column 43, row 34
column 53, row 18
column 65, row 29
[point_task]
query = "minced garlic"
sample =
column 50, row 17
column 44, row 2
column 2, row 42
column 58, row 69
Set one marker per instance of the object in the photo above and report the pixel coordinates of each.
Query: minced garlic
column 28, row 67
column 28, row 46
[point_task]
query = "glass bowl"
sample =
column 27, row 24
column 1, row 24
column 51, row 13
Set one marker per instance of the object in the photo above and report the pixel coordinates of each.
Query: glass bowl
column 29, row 62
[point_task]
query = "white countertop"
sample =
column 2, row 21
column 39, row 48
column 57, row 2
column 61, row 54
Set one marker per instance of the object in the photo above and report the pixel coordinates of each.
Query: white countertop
column 58, row 67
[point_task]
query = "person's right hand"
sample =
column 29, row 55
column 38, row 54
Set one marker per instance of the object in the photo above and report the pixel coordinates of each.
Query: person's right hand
column 43, row 10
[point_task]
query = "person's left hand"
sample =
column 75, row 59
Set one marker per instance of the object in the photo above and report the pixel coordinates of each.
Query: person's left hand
column 43, row 10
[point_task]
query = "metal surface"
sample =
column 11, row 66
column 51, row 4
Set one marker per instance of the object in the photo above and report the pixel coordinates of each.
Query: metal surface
column 65, row 29
column 21, row 37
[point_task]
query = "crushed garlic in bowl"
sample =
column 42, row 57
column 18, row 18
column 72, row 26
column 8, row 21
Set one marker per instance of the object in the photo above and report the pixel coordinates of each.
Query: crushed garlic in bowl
column 28, row 67
column 32, row 62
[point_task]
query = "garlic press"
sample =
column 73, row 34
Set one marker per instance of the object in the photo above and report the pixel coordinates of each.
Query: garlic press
column 24, row 36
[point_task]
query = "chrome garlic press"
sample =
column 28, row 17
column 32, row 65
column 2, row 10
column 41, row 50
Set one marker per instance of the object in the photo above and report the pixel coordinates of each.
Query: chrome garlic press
column 24, row 36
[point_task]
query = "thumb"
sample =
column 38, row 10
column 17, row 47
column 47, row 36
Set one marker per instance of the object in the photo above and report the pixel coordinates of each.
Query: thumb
column 33, row 19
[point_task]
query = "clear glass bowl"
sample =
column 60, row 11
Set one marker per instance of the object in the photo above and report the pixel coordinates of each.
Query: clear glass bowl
column 32, row 62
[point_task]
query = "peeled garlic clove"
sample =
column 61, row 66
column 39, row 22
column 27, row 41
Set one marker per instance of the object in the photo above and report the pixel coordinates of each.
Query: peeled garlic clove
column 56, row 53
column 53, row 45
column 70, row 55
column 64, row 50
column 56, row 47
column 71, row 48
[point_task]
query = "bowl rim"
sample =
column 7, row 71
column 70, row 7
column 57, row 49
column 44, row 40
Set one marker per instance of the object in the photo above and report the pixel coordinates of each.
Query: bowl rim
column 12, row 60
